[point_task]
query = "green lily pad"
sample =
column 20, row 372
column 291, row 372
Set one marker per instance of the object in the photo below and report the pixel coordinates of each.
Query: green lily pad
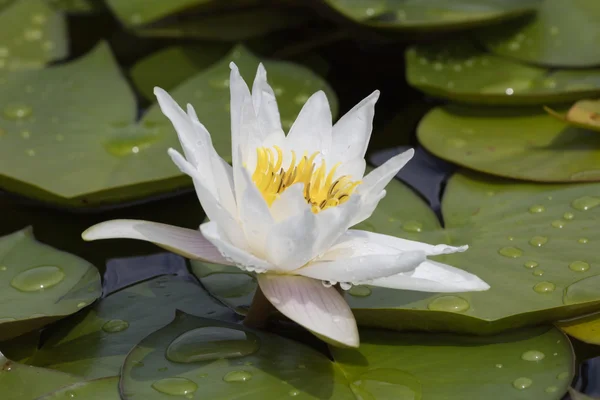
column 430, row 15
column 527, row 364
column 553, row 37
column 586, row 329
column 183, row 62
column 97, row 389
column 20, row 382
column 95, row 343
column 230, row 285
column 532, row 243
column 517, row 143
column 45, row 283
column 583, row 114
column 224, row 361
column 33, row 35
column 458, row 70
column 70, row 119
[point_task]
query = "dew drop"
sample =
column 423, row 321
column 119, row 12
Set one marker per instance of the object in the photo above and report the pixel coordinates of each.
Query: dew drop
column 538, row 241
column 511, row 252
column 558, row 223
column 115, row 325
column 81, row 304
column 551, row 389
column 38, row 278
column 544, row 287
column 531, row 264
column 533, row 355
column 175, row 386
column 537, row 208
column 499, row 365
column 294, row 392
column 237, row 376
column 25, row 134
column 211, row 343
column 30, row 152
column 438, row 66
column 412, row 226
column 3, row 268
column 449, row 303
column 17, row 111
column 59, row 137
column 129, row 144
column 579, row 266
column 522, row 383
column 582, row 240
column 70, row 394
column 301, row 98
column 538, row 272
column 568, row 216
column 562, row 375
column 345, row 285
column 585, row 203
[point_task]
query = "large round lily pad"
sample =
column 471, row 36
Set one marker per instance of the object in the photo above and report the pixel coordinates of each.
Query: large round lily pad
column 97, row 389
column 19, row 381
column 532, row 243
column 40, row 284
column 193, row 356
column 562, row 33
column 525, row 364
column 459, row 70
column 518, row 143
column 431, row 15
column 66, row 119
column 95, row 343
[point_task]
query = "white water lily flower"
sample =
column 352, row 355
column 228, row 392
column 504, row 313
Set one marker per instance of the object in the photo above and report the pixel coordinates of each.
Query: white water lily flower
column 285, row 208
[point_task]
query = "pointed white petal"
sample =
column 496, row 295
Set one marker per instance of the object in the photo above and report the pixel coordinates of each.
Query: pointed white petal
column 311, row 131
column 255, row 216
column 227, row 222
column 265, row 104
column 360, row 268
column 354, row 238
column 236, row 256
column 291, row 242
column 186, row 242
column 352, row 132
column 238, row 93
column 433, row 276
column 319, row 309
column 355, row 169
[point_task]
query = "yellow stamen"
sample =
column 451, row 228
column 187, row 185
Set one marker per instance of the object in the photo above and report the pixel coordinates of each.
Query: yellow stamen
column 320, row 191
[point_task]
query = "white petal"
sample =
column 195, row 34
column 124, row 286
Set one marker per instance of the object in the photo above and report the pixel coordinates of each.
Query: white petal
column 236, row 256
column 352, row 132
column 360, row 268
column 239, row 92
column 311, row 132
column 227, row 222
column 255, row 216
column 353, row 238
column 321, row 310
column 432, row 276
column 291, row 242
column 290, row 203
column 186, row 242
column 265, row 104
column 372, row 187
column 355, row 169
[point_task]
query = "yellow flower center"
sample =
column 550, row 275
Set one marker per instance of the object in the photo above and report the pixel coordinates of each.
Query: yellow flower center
column 320, row 190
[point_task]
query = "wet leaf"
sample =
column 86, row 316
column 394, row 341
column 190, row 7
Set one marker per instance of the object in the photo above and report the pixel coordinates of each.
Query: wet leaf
column 549, row 38
column 97, row 389
column 430, row 15
column 46, row 284
column 526, row 364
column 19, row 381
column 459, row 70
column 94, row 344
column 583, row 114
column 223, row 360
column 518, row 143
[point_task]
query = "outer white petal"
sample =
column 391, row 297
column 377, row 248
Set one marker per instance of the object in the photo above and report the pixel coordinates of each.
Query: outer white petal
column 352, row 132
column 372, row 187
column 234, row 255
column 239, row 92
column 432, row 276
column 357, row 238
column 306, row 301
column 255, row 217
column 186, row 242
column 265, row 104
column 359, row 268
column 311, row 131
column 227, row 222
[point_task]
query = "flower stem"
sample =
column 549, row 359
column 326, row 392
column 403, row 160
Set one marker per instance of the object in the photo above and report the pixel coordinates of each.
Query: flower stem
column 259, row 311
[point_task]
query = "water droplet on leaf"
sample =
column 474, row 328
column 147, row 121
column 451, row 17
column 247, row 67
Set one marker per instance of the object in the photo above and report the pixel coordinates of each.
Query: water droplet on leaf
column 530, row 264
column 17, row 111
column 175, row 386
column 412, row 226
column 537, row 208
column 533, row 355
column 359, row 291
column 449, row 303
column 538, row 241
column 544, row 287
column 579, row 266
column 237, row 376
column 585, row 203
column 511, row 252
column 522, row 383
column 38, row 278
column 115, row 325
